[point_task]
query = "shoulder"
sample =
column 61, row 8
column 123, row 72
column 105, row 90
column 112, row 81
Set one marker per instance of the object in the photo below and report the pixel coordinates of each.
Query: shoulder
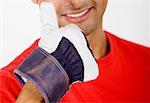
column 128, row 46
column 128, row 52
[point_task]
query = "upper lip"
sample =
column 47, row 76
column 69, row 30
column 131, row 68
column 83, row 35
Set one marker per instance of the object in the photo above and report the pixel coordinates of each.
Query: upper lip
column 75, row 12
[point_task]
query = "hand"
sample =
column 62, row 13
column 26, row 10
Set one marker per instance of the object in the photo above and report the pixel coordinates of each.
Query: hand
column 29, row 94
column 62, row 57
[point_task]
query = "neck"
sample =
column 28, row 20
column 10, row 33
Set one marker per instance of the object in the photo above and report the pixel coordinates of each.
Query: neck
column 98, row 42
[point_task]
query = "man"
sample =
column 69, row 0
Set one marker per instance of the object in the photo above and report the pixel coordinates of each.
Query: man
column 124, row 66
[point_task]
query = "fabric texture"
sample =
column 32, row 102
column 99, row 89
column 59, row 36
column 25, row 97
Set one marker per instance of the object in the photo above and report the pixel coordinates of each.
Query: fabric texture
column 124, row 77
column 71, row 61
column 45, row 72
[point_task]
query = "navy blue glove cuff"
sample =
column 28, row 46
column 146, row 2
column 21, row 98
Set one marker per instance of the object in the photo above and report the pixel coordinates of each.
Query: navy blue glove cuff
column 46, row 73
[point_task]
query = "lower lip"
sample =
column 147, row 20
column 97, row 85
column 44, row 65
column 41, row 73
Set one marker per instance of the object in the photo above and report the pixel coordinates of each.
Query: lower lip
column 79, row 19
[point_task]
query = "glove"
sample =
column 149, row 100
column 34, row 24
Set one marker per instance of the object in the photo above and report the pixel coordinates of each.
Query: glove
column 62, row 57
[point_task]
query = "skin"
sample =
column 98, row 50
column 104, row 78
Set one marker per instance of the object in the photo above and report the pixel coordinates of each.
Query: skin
column 29, row 94
column 92, row 27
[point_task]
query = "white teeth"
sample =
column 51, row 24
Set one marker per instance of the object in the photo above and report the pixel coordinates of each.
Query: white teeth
column 77, row 15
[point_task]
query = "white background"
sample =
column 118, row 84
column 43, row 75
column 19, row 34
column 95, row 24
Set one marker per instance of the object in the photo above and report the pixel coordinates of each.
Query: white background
column 20, row 24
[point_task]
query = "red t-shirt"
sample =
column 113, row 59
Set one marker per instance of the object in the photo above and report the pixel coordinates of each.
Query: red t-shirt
column 124, row 76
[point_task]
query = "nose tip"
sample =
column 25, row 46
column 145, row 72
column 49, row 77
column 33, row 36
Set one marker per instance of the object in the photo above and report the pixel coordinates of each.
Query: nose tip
column 75, row 3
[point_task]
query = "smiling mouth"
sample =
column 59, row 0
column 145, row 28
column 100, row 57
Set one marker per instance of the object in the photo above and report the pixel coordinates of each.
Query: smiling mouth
column 77, row 17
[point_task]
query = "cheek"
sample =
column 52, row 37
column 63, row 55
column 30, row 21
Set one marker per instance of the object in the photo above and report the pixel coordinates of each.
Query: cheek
column 62, row 21
column 92, row 23
column 101, row 6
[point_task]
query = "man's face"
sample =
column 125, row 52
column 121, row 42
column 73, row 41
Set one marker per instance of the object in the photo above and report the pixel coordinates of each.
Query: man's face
column 87, row 14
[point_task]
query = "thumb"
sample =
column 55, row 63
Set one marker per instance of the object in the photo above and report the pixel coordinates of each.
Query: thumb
column 48, row 18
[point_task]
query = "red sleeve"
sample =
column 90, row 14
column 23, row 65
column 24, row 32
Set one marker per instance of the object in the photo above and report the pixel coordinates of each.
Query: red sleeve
column 9, row 87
